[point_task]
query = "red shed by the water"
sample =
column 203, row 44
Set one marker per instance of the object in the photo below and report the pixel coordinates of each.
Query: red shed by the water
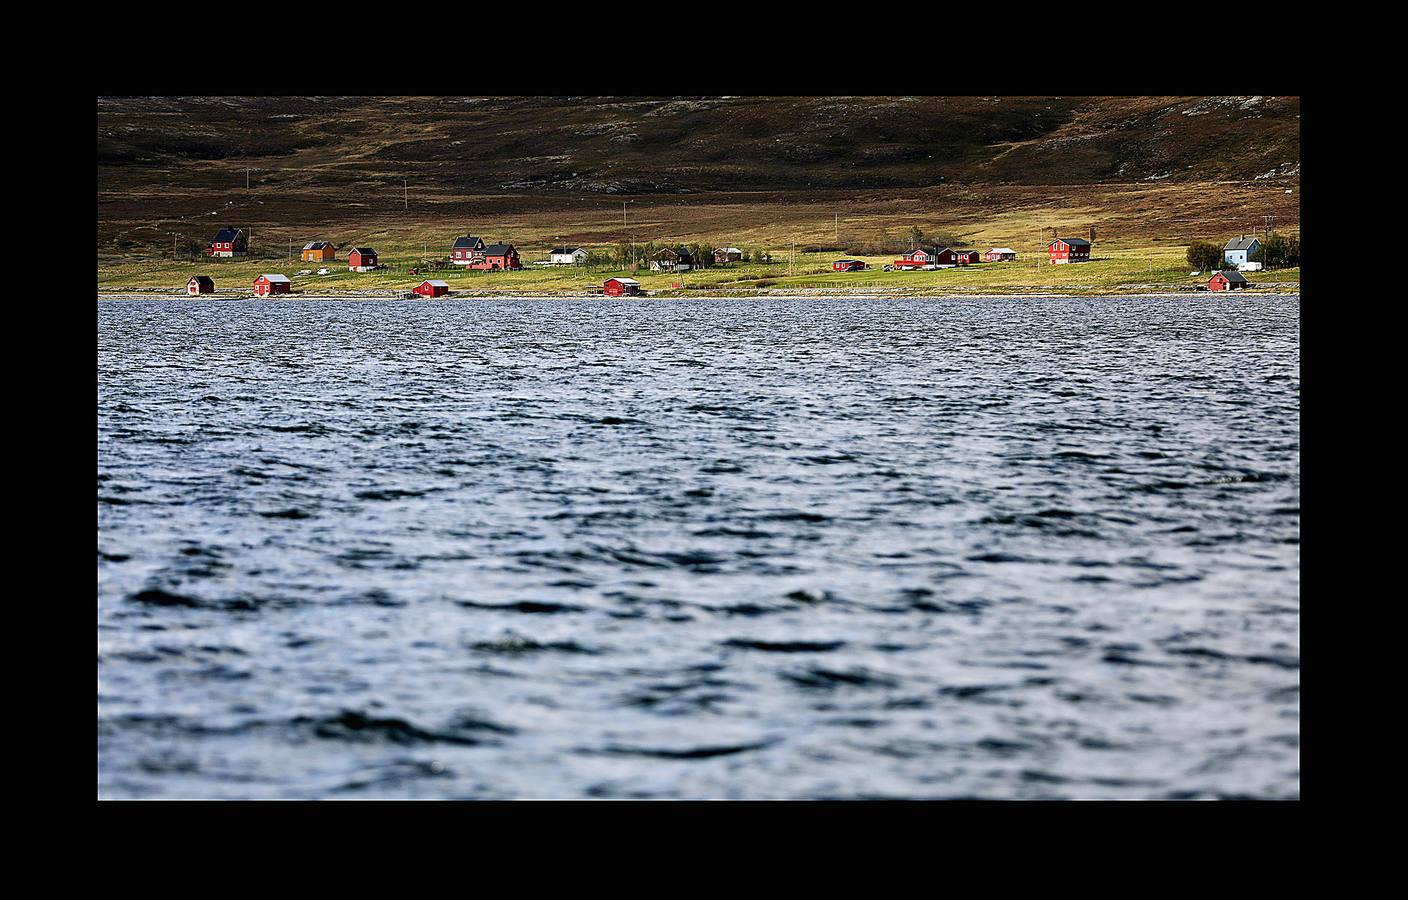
column 1068, row 250
column 200, row 284
column 621, row 287
column 361, row 259
column 848, row 265
column 265, row 285
column 1226, row 281
column 429, row 288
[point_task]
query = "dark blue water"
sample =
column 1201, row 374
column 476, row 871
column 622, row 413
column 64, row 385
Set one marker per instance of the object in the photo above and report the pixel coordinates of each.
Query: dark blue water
column 1006, row 548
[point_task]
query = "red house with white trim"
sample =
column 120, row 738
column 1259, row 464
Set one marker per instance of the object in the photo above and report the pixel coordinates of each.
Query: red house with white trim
column 621, row 287
column 935, row 256
column 429, row 288
column 265, row 285
column 1068, row 250
column 200, row 284
column 848, row 265
column 499, row 257
column 361, row 259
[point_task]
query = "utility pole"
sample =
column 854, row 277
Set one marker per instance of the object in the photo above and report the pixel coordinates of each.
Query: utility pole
column 246, row 179
column 838, row 228
column 405, row 195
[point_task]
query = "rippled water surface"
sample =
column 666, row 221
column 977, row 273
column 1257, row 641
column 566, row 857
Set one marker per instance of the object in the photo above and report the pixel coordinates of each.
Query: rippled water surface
column 710, row 548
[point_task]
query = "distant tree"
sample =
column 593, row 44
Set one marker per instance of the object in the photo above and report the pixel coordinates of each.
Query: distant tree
column 916, row 235
column 1281, row 251
column 1204, row 256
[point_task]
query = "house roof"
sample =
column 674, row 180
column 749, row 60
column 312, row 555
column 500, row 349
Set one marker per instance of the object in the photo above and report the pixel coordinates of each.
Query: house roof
column 562, row 250
column 728, row 250
column 203, row 279
column 1241, row 243
column 468, row 242
column 274, row 277
column 227, row 234
column 1233, row 276
column 365, row 251
column 1074, row 242
column 1002, row 250
column 624, row 280
column 684, row 251
column 498, row 249
column 434, row 283
column 663, row 250
column 316, row 245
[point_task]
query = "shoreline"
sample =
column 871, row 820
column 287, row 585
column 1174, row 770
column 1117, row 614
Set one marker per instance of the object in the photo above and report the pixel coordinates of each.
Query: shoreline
column 1280, row 289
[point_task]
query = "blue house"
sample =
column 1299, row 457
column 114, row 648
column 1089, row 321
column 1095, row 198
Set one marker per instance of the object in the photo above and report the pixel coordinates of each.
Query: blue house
column 1238, row 250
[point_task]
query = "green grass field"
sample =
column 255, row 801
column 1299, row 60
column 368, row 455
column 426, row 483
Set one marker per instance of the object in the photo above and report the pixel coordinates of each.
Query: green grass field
column 1160, row 266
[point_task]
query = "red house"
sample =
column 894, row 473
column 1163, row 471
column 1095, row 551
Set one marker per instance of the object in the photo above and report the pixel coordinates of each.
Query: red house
column 1068, row 250
column 621, row 287
column 361, row 259
column 848, row 265
column 430, row 288
column 467, row 250
column 265, row 285
column 1226, row 281
column 200, row 284
column 498, row 257
column 934, row 256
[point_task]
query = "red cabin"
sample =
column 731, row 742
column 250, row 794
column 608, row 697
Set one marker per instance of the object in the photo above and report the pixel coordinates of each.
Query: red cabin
column 361, row 259
column 265, row 285
column 621, row 287
column 1226, row 281
column 1068, row 250
column 848, row 265
column 935, row 256
column 430, row 288
column 200, row 284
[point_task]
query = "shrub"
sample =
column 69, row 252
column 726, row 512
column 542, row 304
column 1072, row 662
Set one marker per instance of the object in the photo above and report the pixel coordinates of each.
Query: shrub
column 1204, row 256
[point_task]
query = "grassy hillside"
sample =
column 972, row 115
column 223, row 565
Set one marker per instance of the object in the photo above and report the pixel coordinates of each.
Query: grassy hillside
column 407, row 175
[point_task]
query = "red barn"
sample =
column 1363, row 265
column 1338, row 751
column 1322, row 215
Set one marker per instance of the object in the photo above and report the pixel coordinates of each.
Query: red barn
column 621, row 287
column 1068, row 250
column 361, row 259
column 848, row 265
column 265, row 285
column 1226, row 281
column 200, row 284
column 430, row 288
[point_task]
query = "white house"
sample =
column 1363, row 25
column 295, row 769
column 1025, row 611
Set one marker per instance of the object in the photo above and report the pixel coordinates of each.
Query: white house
column 1237, row 251
column 567, row 256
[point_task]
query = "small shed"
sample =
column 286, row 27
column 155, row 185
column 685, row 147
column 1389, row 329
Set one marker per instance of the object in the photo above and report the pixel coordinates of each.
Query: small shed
column 1226, row 281
column 361, row 259
column 725, row 255
column 265, row 285
column 200, row 284
column 1000, row 254
column 621, row 287
column 432, row 288
column 963, row 257
column 848, row 265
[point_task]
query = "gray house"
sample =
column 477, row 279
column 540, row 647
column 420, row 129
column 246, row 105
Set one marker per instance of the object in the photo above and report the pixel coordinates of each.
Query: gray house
column 1237, row 250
